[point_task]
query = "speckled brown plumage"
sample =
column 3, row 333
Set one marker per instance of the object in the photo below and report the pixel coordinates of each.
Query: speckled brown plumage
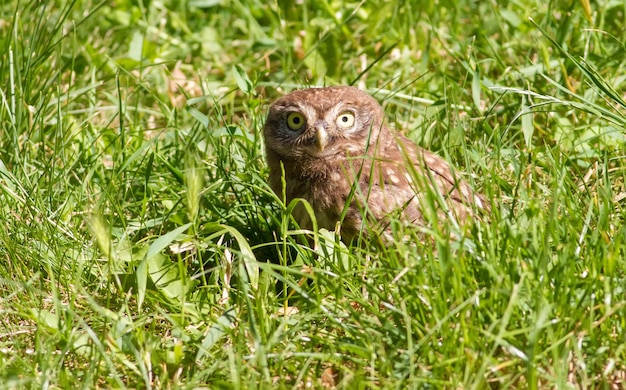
column 329, row 139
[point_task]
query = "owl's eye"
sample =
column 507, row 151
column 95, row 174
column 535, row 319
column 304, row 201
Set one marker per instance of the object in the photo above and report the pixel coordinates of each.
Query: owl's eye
column 295, row 121
column 345, row 119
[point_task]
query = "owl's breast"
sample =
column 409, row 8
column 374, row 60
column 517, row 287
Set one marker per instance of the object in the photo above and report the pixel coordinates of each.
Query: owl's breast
column 324, row 186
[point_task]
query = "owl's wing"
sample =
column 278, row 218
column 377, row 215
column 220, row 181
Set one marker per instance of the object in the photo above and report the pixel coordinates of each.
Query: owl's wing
column 445, row 180
column 408, row 178
column 384, row 187
column 410, row 182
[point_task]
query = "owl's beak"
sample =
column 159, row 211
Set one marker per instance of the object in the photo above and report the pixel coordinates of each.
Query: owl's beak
column 321, row 138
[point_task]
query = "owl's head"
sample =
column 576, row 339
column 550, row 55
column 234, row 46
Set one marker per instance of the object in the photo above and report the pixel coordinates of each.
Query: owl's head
column 322, row 122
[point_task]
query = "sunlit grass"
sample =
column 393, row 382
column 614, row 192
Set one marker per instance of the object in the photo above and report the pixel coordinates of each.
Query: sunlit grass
column 143, row 247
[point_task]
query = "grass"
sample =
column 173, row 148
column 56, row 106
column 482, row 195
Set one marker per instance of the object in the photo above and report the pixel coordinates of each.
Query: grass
column 143, row 248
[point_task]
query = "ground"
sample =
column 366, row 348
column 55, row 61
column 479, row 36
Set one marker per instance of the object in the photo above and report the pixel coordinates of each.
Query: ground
column 143, row 247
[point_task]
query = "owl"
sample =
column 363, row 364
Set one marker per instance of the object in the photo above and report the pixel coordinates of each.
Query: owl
column 331, row 147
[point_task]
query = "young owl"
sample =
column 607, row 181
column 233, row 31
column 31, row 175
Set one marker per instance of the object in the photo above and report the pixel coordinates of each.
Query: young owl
column 337, row 153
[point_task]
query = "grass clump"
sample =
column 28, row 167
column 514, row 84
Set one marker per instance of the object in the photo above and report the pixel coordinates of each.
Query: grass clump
column 143, row 247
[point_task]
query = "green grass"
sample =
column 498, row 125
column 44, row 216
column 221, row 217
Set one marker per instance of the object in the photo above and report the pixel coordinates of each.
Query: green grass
column 142, row 247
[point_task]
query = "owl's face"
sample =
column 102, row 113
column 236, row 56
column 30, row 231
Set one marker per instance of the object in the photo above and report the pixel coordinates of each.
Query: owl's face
column 317, row 122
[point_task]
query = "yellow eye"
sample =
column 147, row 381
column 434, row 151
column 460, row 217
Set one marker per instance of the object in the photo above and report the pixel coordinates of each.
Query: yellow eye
column 295, row 121
column 345, row 119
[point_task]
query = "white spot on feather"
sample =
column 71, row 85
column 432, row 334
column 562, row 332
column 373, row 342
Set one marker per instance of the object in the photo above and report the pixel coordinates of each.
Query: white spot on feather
column 429, row 160
column 392, row 176
column 478, row 202
column 465, row 191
